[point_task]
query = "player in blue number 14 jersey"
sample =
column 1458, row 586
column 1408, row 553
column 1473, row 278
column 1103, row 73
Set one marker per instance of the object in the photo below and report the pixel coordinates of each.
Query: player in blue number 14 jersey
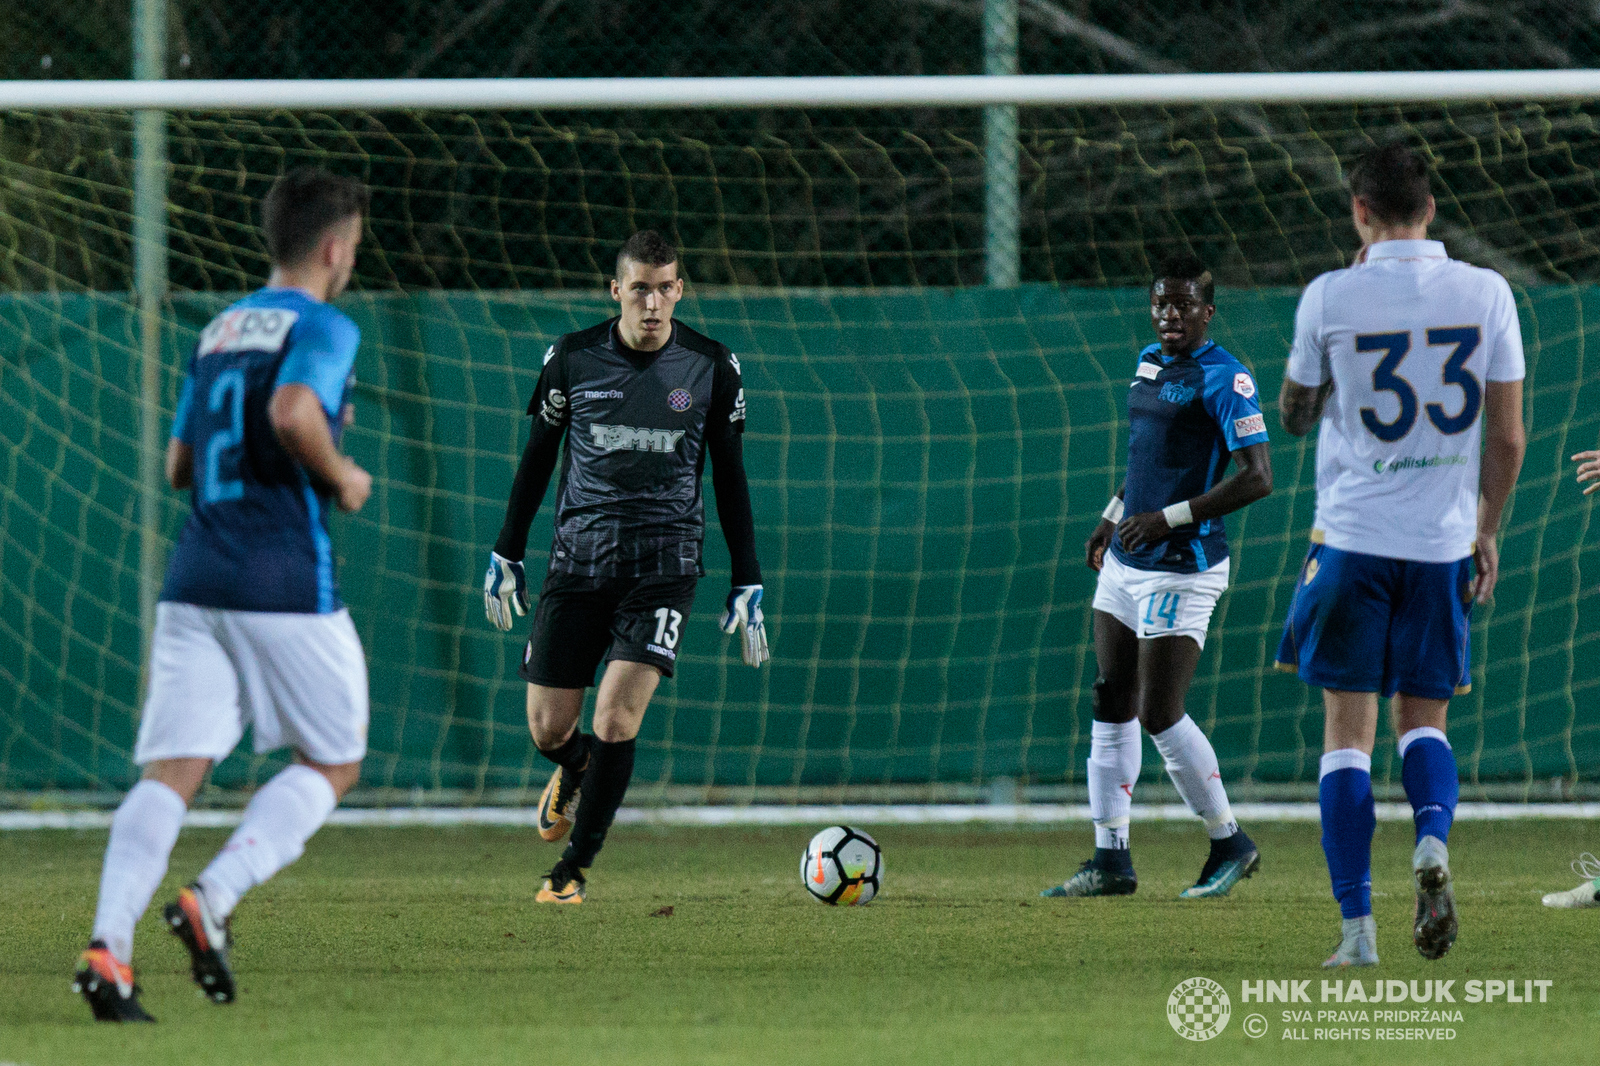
column 1409, row 353
column 1192, row 409
column 249, row 631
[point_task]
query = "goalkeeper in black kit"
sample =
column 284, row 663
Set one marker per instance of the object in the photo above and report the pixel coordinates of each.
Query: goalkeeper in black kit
column 642, row 401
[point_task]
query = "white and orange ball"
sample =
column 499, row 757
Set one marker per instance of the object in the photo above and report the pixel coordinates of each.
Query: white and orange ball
column 842, row 867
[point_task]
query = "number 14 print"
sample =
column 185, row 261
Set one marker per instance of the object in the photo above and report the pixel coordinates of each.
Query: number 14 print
column 1162, row 605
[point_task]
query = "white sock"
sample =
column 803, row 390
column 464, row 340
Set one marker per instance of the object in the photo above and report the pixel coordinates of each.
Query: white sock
column 1114, row 757
column 142, row 834
column 277, row 823
column 1192, row 765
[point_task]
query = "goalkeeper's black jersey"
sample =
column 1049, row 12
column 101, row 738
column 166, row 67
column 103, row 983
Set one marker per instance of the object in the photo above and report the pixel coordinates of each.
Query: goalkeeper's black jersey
column 638, row 426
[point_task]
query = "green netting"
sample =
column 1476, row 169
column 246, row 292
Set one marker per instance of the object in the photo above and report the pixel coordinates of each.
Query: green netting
column 803, row 199
column 927, row 457
column 925, row 466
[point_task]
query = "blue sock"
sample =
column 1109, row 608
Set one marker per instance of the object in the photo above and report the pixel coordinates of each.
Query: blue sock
column 1347, row 824
column 1428, row 770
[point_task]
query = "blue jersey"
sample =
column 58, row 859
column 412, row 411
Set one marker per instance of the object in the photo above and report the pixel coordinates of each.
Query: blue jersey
column 257, row 539
column 1187, row 414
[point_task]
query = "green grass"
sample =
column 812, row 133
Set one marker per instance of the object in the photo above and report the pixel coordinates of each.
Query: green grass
column 424, row 946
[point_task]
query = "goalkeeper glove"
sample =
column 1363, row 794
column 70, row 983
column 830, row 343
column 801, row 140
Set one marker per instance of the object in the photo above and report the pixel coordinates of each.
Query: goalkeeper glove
column 504, row 587
column 744, row 613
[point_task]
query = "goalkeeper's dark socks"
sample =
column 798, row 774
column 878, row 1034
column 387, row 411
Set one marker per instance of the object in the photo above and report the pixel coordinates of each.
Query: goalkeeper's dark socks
column 1428, row 770
column 605, row 782
column 563, row 873
column 1114, row 860
column 572, row 755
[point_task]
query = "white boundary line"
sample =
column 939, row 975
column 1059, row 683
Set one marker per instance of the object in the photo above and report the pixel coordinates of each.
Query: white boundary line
column 822, row 92
column 905, row 814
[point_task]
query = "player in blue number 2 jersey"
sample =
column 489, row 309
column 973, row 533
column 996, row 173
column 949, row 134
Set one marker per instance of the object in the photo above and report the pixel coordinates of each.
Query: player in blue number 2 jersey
column 1162, row 555
column 249, row 630
column 1411, row 354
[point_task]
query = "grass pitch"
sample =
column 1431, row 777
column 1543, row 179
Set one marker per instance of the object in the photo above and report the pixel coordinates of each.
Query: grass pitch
column 424, row 946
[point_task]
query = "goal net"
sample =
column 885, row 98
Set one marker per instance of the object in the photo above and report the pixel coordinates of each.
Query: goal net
column 927, row 455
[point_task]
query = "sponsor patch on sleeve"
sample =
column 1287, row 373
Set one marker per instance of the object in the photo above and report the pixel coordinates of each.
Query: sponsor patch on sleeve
column 1148, row 370
column 1249, row 426
column 554, row 408
column 1243, row 385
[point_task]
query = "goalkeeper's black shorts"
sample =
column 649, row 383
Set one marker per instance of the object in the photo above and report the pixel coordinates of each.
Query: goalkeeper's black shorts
column 581, row 622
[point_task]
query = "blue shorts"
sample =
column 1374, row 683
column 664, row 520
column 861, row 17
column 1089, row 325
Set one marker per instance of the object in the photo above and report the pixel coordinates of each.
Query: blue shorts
column 1363, row 623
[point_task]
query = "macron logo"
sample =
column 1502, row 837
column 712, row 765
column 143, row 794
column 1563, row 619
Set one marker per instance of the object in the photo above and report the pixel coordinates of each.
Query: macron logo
column 627, row 438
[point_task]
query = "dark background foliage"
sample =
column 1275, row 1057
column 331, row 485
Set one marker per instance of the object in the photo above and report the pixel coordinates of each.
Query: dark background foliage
column 832, row 198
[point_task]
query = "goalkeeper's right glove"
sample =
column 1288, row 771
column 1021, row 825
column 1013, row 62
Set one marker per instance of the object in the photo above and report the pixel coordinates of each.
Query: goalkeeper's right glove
column 504, row 587
column 744, row 613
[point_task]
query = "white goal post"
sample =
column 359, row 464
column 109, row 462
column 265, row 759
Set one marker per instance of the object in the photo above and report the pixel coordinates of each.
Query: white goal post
column 1025, row 90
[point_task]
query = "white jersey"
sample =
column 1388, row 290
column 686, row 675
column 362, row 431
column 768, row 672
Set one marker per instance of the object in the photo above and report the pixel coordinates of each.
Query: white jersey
column 1409, row 338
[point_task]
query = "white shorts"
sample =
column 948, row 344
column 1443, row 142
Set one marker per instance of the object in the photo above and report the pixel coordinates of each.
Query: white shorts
column 299, row 680
column 1156, row 603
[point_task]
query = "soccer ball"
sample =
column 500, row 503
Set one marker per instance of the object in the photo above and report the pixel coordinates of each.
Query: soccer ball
column 842, row 867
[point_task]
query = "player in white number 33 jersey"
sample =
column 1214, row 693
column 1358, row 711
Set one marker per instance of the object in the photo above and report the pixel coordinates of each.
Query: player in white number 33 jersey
column 1404, row 357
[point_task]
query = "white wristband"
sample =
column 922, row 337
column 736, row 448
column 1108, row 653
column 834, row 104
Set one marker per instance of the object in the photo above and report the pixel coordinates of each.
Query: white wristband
column 1178, row 514
column 1113, row 511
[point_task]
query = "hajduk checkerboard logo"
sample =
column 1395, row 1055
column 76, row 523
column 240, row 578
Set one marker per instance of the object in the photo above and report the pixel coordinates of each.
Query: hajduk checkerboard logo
column 679, row 399
column 1198, row 1009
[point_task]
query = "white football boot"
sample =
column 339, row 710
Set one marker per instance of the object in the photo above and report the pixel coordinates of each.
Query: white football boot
column 1586, row 894
column 1435, row 928
column 1358, row 944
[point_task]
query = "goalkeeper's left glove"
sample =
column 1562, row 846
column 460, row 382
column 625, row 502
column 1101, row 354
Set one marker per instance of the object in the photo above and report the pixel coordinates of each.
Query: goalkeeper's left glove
column 504, row 587
column 744, row 613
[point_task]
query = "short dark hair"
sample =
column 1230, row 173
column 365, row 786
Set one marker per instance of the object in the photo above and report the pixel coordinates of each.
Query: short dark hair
column 647, row 247
column 1187, row 267
column 300, row 207
column 1393, row 180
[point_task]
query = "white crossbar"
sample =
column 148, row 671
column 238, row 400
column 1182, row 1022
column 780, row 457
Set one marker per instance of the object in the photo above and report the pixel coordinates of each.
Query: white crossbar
column 611, row 94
